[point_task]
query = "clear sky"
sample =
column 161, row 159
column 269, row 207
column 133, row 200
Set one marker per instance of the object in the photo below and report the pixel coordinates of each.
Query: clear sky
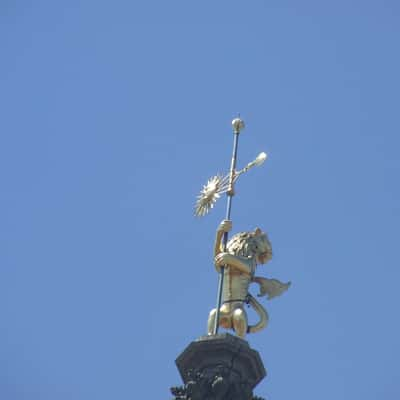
column 113, row 116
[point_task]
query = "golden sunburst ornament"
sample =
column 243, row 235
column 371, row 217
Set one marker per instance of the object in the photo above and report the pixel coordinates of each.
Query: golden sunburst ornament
column 210, row 193
column 220, row 184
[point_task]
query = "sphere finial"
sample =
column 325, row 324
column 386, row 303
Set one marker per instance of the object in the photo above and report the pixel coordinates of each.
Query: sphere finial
column 237, row 125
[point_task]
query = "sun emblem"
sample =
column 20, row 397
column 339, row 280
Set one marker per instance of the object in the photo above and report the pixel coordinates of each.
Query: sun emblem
column 210, row 193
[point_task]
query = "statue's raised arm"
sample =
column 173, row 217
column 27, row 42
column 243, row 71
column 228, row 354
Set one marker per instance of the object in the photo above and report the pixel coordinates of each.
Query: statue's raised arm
column 224, row 227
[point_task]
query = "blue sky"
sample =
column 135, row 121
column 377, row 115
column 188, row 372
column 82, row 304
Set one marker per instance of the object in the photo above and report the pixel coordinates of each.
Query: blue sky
column 113, row 116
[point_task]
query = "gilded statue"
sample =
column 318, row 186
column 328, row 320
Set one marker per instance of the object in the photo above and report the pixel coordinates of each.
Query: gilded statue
column 243, row 253
column 236, row 260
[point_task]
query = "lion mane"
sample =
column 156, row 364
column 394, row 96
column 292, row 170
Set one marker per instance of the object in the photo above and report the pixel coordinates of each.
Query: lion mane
column 246, row 244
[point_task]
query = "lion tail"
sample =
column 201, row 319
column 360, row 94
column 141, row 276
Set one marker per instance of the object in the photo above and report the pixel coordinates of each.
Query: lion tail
column 261, row 311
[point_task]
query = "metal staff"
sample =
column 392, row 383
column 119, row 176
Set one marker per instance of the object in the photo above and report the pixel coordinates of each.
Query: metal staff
column 237, row 125
column 212, row 191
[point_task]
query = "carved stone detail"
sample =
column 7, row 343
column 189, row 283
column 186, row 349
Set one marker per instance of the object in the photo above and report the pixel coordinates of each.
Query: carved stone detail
column 220, row 367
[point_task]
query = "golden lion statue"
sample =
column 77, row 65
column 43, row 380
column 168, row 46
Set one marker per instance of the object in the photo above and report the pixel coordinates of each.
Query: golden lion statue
column 244, row 252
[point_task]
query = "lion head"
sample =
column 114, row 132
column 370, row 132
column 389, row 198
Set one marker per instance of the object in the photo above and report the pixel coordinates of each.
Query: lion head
column 251, row 244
